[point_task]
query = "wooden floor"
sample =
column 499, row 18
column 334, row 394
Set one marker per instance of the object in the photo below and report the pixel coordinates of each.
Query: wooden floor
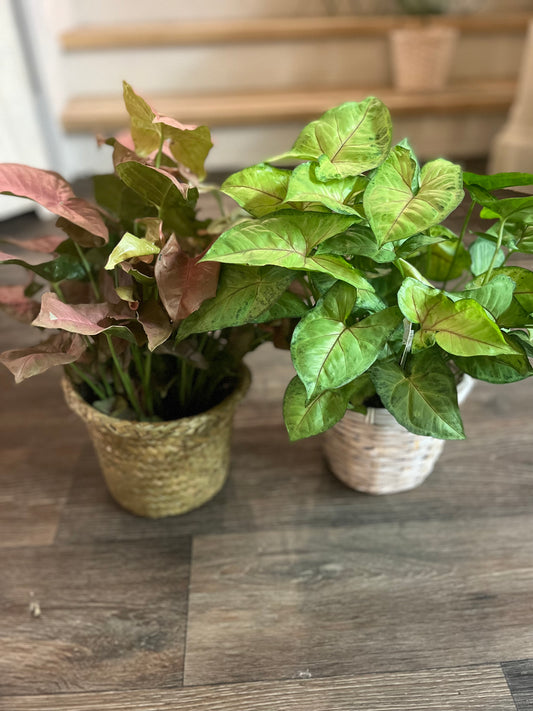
column 287, row 592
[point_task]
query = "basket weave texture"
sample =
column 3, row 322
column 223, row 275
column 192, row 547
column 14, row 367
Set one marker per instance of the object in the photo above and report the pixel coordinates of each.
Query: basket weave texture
column 162, row 468
column 375, row 454
column 422, row 58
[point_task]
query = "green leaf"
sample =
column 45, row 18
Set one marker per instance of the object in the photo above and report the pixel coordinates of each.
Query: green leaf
column 395, row 211
column 130, row 246
column 145, row 134
column 498, row 180
column 518, row 313
column 152, row 184
column 282, row 238
column 336, row 194
column 54, row 271
column 346, row 140
column 496, row 296
column 444, row 261
column 461, row 328
column 189, row 145
column 244, row 294
column 260, row 189
column 423, row 398
column 358, row 240
column 481, row 252
column 408, row 270
column 496, row 369
column 288, row 305
column 304, row 419
column 327, row 353
column 120, row 201
column 435, row 235
column 515, row 209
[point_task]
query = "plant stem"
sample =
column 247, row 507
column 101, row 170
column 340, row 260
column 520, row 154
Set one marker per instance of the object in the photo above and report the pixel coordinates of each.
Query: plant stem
column 58, row 291
column 146, row 385
column 459, row 243
column 88, row 271
column 488, row 273
column 125, row 380
column 160, row 151
column 100, row 394
column 219, row 201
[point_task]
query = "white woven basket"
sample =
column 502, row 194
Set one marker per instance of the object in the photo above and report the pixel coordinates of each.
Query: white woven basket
column 422, row 58
column 375, row 454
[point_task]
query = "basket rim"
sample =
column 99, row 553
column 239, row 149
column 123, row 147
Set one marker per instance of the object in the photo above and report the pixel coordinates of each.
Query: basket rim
column 82, row 408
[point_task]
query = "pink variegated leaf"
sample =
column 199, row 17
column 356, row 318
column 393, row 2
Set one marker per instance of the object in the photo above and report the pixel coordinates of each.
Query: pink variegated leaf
column 78, row 318
column 184, row 282
column 45, row 245
column 14, row 301
column 85, row 319
column 155, row 323
column 53, row 192
column 60, row 349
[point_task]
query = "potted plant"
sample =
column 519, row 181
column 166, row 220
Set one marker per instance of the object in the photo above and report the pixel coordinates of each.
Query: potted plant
column 110, row 297
column 397, row 308
column 422, row 51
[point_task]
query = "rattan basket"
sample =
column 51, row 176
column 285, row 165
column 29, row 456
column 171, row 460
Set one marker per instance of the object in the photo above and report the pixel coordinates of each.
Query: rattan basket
column 422, row 57
column 164, row 468
column 375, row 454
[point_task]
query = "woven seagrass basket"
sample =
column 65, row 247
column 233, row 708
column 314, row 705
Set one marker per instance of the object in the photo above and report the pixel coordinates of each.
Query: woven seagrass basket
column 422, row 57
column 162, row 468
column 375, row 454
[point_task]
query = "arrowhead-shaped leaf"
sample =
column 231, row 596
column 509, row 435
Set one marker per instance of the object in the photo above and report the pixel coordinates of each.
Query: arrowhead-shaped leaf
column 56, row 270
column 304, row 186
column 461, row 328
column 84, row 319
column 357, row 240
column 498, row 180
column 515, row 209
column 346, row 140
column 153, row 184
column 260, row 189
column 60, row 349
column 184, row 282
column 423, row 398
column 130, row 246
column 395, row 211
column 303, row 418
column 496, row 369
column 54, row 193
column 243, row 296
column 481, row 254
column 280, row 239
column 496, row 296
column 155, row 323
column 327, row 353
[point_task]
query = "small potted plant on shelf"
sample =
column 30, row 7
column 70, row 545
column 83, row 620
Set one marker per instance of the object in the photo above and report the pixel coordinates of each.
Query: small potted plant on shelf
column 118, row 282
column 398, row 311
column 422, row 51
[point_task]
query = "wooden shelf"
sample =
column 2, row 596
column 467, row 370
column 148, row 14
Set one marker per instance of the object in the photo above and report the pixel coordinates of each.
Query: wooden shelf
column 277, row 29
column 93, row 114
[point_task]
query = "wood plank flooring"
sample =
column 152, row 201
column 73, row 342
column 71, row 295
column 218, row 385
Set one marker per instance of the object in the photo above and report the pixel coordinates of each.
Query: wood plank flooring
column 286, row 592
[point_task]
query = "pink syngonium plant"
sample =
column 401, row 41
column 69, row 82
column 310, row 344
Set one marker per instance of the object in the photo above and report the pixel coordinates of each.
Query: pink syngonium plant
column 126, row 270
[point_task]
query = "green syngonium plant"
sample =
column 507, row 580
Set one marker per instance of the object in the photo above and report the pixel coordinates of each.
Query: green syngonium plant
column 383, row 304
column 110, row 291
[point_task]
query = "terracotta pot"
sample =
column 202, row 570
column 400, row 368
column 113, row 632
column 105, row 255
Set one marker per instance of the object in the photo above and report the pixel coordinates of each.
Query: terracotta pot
column 162, row 468
column 422, row 57
column 375, row 454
